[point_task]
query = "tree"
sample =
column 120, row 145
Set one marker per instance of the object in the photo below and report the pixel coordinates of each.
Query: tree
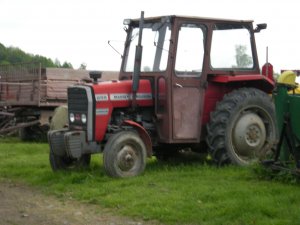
column 2, row 52
column 243, row 60
column 67, row 65
column 11, row 55
column 4, row 62
column 57, row 63
column 46, row 62
column 82, row 66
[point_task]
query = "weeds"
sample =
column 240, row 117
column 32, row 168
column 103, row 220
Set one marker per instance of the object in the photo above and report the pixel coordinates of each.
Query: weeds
column 172, row 192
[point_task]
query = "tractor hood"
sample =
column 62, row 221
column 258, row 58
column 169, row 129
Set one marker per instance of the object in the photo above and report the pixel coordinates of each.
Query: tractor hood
column 119, row 93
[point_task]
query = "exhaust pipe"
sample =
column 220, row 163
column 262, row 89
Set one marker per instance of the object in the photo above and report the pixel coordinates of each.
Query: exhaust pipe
column 137, row 62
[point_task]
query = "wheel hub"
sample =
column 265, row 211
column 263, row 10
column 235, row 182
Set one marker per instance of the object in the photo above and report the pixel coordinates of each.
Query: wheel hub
column 126, row 158
column 249, row 134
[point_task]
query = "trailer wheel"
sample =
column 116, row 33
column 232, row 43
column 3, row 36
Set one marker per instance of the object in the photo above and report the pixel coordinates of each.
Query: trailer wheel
column 124, row 155
column 24, row 134
column 34, row 133
column 63, row 163
column 242, row 129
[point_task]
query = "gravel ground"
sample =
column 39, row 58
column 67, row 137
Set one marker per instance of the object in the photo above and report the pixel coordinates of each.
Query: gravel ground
column 22, row 205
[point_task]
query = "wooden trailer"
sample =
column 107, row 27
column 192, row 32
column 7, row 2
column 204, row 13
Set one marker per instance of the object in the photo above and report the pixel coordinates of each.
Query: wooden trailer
column 29, row 94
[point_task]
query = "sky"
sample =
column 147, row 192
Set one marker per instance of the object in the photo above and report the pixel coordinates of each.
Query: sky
column 77, row 31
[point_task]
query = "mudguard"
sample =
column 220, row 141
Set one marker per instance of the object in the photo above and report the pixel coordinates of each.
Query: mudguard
column 143, row 134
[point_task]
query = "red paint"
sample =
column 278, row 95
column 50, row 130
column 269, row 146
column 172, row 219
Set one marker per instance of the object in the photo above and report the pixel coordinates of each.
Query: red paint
column 116, row 88
column 214, row 93
column 267, row 70
column 218, row 86
column 143, row 134
column 237, row 78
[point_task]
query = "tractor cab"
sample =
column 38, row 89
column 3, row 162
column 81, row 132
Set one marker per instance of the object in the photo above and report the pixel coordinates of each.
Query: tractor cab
column 189, row 61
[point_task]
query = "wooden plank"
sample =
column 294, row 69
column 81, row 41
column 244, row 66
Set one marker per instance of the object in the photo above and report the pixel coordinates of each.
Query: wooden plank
column 65, row 74
column 76, row 75
column 18, row 126
column 110, row 75
column 23, row 93
column 27, row 84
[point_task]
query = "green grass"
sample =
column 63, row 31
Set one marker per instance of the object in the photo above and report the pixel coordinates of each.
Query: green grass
column 174, row 193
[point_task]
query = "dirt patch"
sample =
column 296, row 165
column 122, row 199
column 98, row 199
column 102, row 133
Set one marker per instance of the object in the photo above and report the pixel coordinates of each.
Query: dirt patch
column 22, row 205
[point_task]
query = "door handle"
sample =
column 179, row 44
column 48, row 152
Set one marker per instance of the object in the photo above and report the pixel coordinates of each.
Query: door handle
column 178, row 85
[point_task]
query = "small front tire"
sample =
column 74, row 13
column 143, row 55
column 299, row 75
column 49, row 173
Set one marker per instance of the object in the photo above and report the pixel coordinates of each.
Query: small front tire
column 124, row 155
column 63, row 162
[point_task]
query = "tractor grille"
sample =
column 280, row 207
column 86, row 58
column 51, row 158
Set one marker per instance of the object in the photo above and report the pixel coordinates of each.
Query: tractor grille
column 78, row 105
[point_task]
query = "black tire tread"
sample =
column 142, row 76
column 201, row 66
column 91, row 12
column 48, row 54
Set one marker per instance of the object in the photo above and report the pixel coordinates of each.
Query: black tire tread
column 219, row 119
column 109, row 154
column 63, row 163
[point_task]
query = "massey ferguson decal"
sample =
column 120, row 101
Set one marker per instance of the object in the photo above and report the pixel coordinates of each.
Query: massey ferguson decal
column 102, row 111
column 101, row 97
column 123, row 97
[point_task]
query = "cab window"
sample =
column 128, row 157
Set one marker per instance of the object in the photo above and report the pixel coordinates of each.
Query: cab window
column 190, row 50
column 231, row 47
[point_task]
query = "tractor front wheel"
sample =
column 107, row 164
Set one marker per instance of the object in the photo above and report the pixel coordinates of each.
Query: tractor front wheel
column 242, row 128
column 63, row 162
column 124, row 155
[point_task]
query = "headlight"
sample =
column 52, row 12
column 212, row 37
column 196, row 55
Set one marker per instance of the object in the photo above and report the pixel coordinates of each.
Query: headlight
column 83, row 118
column 127, row 22
column 72, row 117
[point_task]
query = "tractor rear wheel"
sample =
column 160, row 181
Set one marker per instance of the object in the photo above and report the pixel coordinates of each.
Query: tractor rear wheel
column 124, row 155
column 242, row 129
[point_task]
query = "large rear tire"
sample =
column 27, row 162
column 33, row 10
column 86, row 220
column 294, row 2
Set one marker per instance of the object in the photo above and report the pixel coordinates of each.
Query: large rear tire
column 124, row 155
column 242, row 129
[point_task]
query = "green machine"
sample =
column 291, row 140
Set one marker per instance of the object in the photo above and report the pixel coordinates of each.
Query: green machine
column 287, row 104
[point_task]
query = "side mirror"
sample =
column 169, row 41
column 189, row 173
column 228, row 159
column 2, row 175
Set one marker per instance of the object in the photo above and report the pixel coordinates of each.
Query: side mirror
column 260, row 27
column 95, row 75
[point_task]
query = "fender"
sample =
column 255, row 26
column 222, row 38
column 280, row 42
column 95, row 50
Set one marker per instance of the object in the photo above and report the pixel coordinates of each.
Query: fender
column 215, row 89
column 143, row 134
column 268, row 83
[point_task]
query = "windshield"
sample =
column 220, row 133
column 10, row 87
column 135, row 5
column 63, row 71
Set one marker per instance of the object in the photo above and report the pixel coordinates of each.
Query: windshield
column 155, row 42
column 231, row 47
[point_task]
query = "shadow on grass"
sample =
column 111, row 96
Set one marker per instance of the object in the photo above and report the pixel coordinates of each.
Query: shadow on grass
column 96, row 170
column 180, row 161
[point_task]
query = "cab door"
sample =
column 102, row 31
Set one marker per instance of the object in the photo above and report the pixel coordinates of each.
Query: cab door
column 188, row 82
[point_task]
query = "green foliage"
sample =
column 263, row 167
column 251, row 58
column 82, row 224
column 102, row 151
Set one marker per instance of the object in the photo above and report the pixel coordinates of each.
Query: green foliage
column 171, row 193
column 284, row 176
column 242, row 59
column 11, row 55
column 67, row 65
column 82, row 66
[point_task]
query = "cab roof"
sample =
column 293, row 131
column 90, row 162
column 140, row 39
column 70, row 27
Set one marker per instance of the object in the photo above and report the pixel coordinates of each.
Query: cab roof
column 208, row 19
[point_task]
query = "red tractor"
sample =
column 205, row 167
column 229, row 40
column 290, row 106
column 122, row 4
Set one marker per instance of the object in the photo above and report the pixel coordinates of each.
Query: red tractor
column 184, row 82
